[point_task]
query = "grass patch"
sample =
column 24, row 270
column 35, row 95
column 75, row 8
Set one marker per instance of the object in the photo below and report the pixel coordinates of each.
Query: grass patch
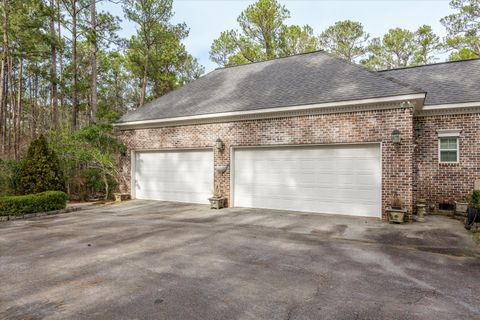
column 476, row 236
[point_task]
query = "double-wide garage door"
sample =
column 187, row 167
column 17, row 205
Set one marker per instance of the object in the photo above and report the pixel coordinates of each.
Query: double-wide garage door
column 341, row 179
column 184, row 176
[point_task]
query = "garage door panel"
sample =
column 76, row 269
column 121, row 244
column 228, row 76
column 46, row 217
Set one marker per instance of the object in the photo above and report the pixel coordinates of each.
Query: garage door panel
column 343, row 179
column 289, row 199
column 164, row 187
column 311, row 166
column 324, row 193
column 313, row 205
column 185, row 176
column 329, row 180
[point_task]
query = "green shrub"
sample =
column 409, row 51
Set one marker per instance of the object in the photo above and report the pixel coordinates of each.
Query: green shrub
column 10, row 176
column 475, row 199
column 41, row 171
column 94, row 184
column 32, row 203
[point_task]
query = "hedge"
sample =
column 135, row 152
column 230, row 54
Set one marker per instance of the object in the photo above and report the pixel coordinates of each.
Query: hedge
column 33, row 203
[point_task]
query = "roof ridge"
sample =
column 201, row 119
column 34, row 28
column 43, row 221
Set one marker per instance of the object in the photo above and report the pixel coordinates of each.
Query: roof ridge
column 359, row 66
column 271, row 59
column 430, row 64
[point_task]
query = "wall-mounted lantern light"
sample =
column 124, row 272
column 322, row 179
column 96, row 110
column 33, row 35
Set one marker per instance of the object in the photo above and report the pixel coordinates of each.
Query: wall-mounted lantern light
column 219, row 145
column 396, row 138
column 221, row 168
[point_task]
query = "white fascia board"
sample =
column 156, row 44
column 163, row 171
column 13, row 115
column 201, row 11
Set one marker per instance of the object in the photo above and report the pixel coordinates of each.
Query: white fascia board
column 451, row 106
column 449, row 109
column 268, row 112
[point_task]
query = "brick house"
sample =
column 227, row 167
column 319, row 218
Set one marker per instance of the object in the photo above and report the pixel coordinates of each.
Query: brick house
column 310, row 132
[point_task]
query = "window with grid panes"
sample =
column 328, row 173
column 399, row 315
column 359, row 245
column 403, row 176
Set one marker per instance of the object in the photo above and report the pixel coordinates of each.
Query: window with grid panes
column 448, row 149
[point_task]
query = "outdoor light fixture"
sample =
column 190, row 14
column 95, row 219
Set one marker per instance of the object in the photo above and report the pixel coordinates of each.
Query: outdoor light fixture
column 219, row 144
column 221, row 169
column 396, row 136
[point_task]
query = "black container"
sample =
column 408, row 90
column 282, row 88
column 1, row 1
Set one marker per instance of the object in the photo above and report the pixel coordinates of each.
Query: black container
column 473, row 215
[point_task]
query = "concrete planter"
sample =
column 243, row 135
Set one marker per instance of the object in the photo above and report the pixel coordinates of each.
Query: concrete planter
column 396, row 215
column 121, row 196
column 217, row 202
column 461, row 208
column 421, row 211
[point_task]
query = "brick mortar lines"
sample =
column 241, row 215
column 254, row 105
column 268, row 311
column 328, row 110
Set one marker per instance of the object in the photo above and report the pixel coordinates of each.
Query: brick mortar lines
column 446, row 183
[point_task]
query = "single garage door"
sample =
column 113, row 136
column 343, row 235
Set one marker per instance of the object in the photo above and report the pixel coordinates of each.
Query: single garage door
column 184, row 176
column 340, row 179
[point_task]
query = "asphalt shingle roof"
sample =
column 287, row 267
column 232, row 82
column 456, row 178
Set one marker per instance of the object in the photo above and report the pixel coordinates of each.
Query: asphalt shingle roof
column 310, row 78
column 445, row 83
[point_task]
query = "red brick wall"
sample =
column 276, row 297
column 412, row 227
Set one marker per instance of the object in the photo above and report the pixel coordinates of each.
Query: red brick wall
column 354, row 127
column 446, row 183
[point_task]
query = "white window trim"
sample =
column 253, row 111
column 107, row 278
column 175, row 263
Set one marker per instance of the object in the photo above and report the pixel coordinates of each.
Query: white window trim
column 449, row 133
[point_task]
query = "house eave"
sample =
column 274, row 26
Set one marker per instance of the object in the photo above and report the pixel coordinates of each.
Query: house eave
column 449, row 109
column 391, row 102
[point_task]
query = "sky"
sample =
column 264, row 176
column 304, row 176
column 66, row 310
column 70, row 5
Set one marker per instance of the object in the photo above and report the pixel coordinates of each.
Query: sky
column 208, row 18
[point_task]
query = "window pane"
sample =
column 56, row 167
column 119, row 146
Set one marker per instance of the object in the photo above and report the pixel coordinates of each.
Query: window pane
column 448, row 143
column 448, row 156
column 452, row 143
column 443, row 143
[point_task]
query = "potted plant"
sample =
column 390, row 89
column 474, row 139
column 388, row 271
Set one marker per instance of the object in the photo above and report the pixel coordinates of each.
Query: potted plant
column 473, row 211
column 396, row 213
column 217, row 201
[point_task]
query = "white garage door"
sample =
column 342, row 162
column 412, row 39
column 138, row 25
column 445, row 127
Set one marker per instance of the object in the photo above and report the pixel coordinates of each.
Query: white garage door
column 341, row 179
column 185, row 176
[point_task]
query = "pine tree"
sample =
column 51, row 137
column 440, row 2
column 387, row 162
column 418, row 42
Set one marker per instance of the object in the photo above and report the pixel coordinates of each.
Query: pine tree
column 41, row 171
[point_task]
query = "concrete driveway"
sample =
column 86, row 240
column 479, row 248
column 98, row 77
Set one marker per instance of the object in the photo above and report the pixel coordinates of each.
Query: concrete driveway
column 159, row 260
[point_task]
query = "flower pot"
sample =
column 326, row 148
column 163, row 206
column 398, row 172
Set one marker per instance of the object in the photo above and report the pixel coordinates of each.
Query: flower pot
column 217, row 202
column 461, row 208
column 396, row 215
column 121, row 196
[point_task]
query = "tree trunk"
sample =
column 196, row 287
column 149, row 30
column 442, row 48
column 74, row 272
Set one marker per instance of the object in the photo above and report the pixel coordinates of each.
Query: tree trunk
column 143, row 91
column 17, row 110
column 117, row 93
column 60, row 55
column 74, row 64
column 93, row 18
column 107, row 187
column 2, row 102
column 10, row 104
column 3, row 78
column 53, row 68
column 33, row 111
